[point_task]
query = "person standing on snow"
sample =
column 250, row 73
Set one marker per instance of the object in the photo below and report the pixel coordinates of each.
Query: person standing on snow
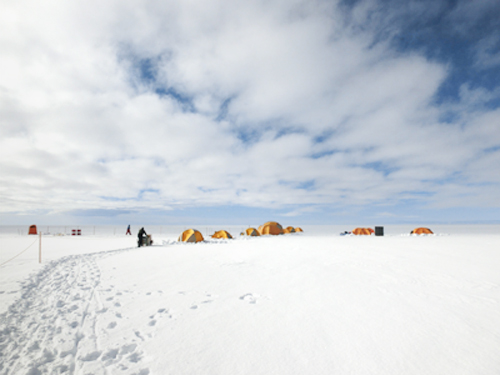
column 128, row 230
column 141, row 237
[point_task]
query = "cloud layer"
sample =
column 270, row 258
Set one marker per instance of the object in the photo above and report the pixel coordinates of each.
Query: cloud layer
column 300, row 104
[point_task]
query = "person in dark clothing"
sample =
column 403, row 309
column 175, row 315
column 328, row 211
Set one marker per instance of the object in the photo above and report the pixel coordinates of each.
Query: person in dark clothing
column 141, row 237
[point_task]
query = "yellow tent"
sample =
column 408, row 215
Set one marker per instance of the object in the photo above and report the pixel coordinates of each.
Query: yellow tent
column 290, row 229
column 298, row 229
column 421, row 231
column 362, row 231
column 222, row 234
column 271, row 227
column 251, row 232
column 191, row 235
column 286, row 231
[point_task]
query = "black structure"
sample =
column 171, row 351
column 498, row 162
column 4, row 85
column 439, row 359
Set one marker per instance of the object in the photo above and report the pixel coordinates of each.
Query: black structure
column 379, row 231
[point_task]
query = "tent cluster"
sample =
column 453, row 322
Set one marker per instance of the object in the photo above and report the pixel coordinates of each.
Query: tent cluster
column 363, row 231
column 269, row 228
column 370, row 231
column 274, row 228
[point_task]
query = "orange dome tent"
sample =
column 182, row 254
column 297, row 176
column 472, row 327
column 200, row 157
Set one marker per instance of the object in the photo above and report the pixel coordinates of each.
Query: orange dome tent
column 191, row 235
column 361, row 231
column 222, row 234
column 271, row 227
column 298, row 229
column 371, row 230
column 290, row 229
column 421, row 231
column 251, row 232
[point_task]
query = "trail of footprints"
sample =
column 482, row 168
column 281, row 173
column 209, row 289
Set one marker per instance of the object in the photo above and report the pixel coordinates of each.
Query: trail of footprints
column 65, row 318
column 54, row 327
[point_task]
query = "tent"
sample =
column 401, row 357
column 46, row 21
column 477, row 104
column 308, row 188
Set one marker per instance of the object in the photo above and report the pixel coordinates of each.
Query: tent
column 290, row 229
column 191, row 235
column 362, row 231
column 32, row 229
column 271, row 227
column 421, row 231
column 251, row 232
column 371, row 230
column 222, row 234
column 298, row 229
column 286, row 231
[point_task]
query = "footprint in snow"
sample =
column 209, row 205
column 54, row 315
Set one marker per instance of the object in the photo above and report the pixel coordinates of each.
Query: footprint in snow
column 91, row 356
column 134, row 357
column 249, row 297
column 130, row 348
column 34, row 347
column 110, row 354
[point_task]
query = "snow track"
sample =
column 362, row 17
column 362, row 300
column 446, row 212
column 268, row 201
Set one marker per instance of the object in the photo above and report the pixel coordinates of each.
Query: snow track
column 54, row 328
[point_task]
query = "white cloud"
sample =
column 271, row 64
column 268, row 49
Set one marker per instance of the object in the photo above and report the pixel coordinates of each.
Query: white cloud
column 81, row 129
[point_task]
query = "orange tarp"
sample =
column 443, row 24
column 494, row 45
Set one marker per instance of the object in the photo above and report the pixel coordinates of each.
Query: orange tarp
column 362, row 231
column 191, row 235
column 422, row 231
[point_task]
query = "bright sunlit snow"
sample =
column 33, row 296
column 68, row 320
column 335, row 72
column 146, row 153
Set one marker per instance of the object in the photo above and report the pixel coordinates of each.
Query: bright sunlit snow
column 311, row 303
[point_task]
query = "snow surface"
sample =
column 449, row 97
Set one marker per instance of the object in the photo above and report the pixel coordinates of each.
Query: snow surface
column 309, row 303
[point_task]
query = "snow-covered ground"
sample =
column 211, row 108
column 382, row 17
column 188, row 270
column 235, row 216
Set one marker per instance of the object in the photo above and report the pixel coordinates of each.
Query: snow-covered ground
column 310, row 303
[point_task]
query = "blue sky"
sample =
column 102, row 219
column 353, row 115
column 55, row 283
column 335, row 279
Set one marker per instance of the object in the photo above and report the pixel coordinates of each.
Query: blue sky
column 195, row 112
